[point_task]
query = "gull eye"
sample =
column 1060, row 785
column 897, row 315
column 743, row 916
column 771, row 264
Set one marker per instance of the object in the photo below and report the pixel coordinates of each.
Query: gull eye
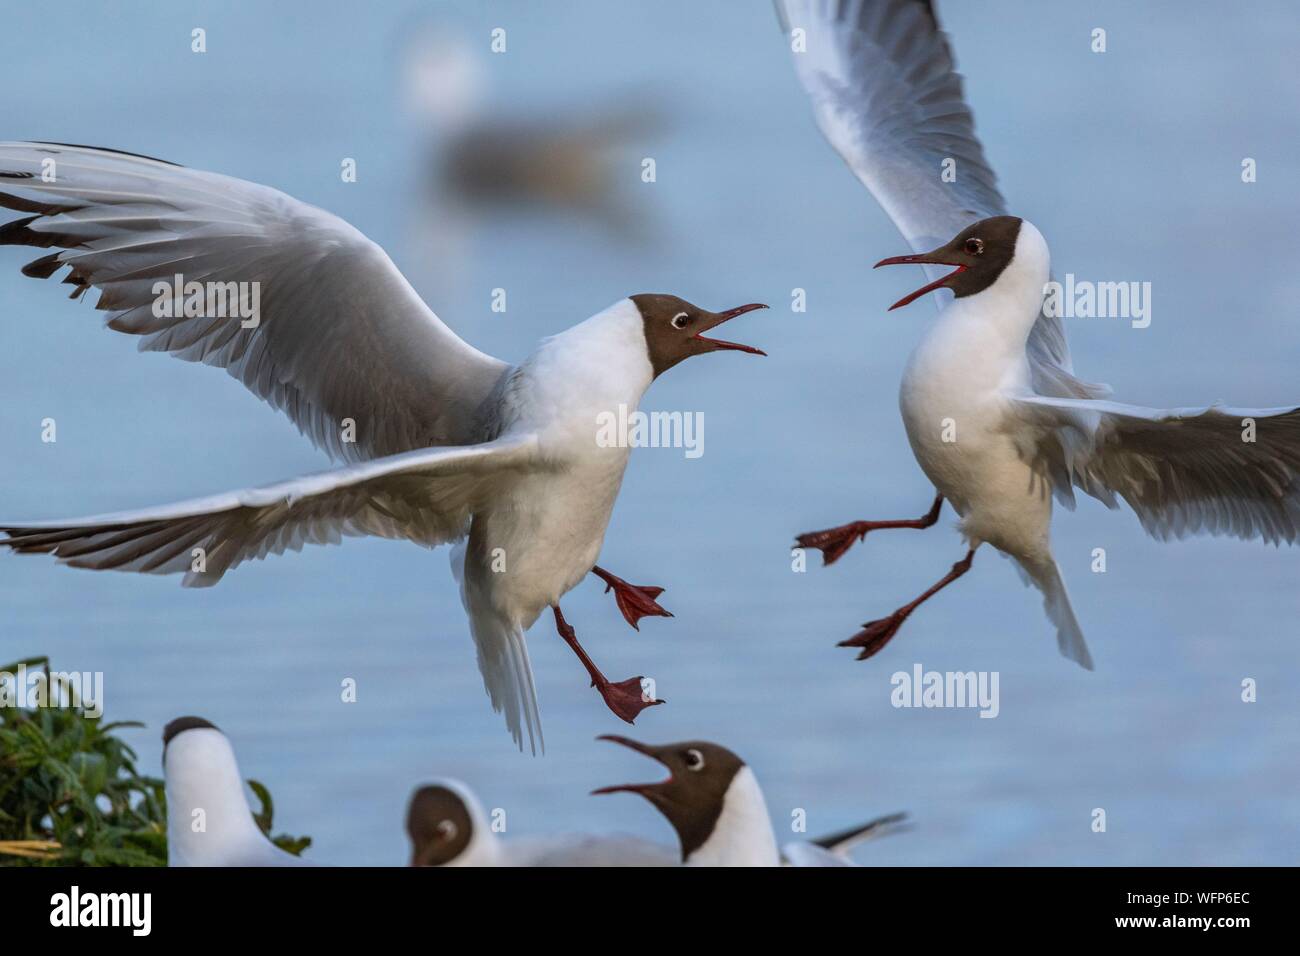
column 447, row 830
column 974, row 246
column 694, row 760
column 681, row 320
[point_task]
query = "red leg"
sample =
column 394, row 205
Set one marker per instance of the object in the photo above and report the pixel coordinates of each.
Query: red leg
column 625, row 698
column 876, row 634
column 833, row 542
column 635, row 602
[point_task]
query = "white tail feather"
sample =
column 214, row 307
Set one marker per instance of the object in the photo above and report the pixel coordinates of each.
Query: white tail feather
column 1056, row 602
column 503, row 661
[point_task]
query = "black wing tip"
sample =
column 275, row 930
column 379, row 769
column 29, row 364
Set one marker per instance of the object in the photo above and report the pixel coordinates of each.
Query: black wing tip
column 853, row 833
column 182, row 724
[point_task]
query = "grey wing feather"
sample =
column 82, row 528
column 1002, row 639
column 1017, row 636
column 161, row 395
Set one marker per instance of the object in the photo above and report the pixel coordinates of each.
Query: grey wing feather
column 887, row 97
column 425, row 496
column 1184, row 471
column 612, row 850
column 340, row 333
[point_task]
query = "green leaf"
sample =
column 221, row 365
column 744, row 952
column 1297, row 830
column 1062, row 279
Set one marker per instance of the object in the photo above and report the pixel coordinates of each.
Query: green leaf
column 66, row 778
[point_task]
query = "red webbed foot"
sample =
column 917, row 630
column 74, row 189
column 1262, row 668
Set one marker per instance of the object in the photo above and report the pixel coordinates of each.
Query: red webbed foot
column 633, row 600
column 875, row 635
column 834, row 542
column 625, row 698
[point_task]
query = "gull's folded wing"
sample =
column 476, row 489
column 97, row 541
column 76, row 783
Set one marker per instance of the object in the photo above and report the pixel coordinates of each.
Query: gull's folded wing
column 810, row 854
column 1216, row 470
column 845, row 840
column 425, row 496
column 833, row 849
column 886, row 95
column 340, row 334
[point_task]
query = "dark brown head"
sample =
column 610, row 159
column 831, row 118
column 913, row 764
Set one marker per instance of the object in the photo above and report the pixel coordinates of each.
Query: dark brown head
column 699, row 776
column 440, row 825
column 980, row 253
column 674, row 329
column 182, row 724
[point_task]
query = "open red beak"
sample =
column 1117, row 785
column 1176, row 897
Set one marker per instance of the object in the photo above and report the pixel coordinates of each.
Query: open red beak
column 644, row 789
column 925, row 258
column 719, row 318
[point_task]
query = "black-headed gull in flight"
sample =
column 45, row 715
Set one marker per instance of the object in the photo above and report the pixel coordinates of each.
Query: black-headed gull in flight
column 709, row 801
column 445, row 443
column 993, row 411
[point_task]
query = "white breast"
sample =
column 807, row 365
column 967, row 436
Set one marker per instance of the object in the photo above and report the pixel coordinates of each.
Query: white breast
column 573, row 377
column 743, row 834
column 552, row 523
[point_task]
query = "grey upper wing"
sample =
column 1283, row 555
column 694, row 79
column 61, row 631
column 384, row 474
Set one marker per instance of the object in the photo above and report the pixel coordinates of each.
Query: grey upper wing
column 1215, row 470
column 611, row 850
column 886, row 95
column 426, row 496
column 340, row 332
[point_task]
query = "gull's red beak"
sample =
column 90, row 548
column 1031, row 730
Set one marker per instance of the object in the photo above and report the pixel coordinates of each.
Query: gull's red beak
column 925, row 258
column 720, row 317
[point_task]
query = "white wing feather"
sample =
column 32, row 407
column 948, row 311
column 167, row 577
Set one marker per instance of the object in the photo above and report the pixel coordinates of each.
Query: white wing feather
column 424, row 496
column 887, row 97
column 341, row 333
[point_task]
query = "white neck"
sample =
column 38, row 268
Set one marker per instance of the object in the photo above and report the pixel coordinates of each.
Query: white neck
column 592, row 367
column 202, row 775
column 988, row 331
column 743, row 834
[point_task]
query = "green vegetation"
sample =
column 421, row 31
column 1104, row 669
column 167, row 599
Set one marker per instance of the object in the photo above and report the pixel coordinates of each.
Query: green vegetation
column 70, row 794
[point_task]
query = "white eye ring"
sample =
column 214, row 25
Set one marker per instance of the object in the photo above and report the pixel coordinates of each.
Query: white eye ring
column 447, row 830
column 680, row 320
column 694, row 760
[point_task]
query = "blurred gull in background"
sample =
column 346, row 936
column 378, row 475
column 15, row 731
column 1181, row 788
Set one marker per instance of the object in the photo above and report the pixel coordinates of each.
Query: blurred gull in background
column 489, row 156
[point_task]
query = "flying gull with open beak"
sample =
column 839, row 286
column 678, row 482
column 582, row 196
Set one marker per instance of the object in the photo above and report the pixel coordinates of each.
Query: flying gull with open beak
column 447, row 826
column 209, row 822
column 993, row 411
column 442, row 442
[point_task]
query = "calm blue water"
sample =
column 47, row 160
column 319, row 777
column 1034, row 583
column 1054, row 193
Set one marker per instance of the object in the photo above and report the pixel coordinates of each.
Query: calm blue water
column 1129, row 163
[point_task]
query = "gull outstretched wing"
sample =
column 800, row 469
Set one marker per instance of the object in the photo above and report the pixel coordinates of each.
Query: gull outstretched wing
column 339, row 333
